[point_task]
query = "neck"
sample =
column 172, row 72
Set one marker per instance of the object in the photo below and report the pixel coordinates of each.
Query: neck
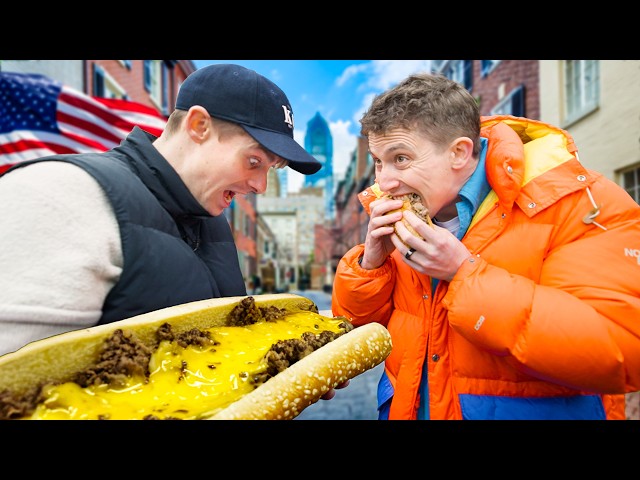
column 447, row 212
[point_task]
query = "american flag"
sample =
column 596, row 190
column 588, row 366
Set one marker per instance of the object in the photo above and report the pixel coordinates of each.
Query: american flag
column 40, row 116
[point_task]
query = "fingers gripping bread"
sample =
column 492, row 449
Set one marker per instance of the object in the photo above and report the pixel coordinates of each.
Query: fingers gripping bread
column 414, row 203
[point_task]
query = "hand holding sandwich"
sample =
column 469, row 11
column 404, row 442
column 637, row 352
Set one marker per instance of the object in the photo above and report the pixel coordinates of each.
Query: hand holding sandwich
column 378, row 246
column 436, row 252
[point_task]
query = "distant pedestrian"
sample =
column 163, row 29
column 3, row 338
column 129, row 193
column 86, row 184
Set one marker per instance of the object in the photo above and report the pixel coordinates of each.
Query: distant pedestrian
column 268, row 274
column 257, row 285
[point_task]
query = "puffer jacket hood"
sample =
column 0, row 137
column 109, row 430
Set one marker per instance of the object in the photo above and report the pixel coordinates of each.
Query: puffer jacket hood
column 532, row 325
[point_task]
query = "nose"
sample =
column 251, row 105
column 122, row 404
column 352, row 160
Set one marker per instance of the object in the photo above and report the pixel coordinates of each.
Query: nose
column 387, row 180
column 259, row 182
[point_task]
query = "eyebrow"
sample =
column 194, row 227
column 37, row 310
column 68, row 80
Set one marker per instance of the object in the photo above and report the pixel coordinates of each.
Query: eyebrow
column 392, row 148
column 265, row 151
column 283, row 162
column 275, row 161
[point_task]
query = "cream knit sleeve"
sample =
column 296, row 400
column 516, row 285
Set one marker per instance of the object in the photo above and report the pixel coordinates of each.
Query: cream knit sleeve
column 60, row 252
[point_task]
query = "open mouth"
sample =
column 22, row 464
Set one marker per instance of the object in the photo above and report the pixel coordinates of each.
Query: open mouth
column 228, row 196
column 413, row 202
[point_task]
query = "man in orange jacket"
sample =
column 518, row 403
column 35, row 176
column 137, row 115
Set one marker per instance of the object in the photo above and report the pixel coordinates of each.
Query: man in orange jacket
column 522, row 300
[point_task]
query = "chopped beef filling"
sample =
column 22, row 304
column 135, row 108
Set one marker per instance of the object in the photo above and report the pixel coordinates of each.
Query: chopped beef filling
column 418, row 206
column 123, row 355
column 247, row 313
column 17, row 406
column 285, row 353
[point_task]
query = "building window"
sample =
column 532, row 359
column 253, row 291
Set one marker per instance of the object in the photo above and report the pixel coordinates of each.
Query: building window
column 460, row 71
column 98, row 82
column 147, row 74
column 487, row 66
column 105, row 86
column 126, row 64
column 581, row 88
column 631, row 183
column 164, row 90
column 511, row 104
column 153, row 81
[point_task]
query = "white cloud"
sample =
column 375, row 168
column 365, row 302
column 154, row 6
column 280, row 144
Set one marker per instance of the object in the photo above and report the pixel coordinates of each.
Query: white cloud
column 376, row 76
column 351, row 71
column 366, row 102
column 383, row 74
column 386, row 73
column 295, row 179
column 344, row 144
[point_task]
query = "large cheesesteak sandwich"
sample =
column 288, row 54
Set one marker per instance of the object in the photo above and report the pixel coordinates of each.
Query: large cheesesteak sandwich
column 255, row 357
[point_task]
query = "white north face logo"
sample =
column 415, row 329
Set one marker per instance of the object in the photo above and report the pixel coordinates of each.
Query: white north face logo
column 288, row 116
column 632, row 252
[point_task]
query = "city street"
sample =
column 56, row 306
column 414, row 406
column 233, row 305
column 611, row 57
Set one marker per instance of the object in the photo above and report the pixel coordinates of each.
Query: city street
column 355, row 402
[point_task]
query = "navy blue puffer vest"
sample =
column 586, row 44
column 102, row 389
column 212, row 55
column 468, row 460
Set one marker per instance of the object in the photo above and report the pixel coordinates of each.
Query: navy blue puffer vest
column 174, row 251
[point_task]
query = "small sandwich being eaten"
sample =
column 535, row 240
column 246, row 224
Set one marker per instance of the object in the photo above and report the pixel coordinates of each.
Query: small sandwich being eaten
column 411, row 201
column 263, row 357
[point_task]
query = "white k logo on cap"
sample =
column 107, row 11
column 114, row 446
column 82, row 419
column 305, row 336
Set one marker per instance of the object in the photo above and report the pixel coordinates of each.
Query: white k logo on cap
column 288, row 116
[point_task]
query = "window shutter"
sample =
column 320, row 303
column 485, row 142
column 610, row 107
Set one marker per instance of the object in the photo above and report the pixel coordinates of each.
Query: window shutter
column 517, row 102
column 98, row 81
column 147, row 75
column 468, row 74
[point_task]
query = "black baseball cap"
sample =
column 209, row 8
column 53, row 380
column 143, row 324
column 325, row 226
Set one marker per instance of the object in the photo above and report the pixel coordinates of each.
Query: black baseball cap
column 238, row 94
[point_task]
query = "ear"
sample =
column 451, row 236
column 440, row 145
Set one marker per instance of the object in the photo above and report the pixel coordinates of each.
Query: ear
column 197, row 124
column 461, row 151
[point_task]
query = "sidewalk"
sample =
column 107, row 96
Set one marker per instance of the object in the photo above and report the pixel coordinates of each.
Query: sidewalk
column 357, row 401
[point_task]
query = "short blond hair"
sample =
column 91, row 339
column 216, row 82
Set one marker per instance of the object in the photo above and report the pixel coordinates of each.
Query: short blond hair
column 225, row 127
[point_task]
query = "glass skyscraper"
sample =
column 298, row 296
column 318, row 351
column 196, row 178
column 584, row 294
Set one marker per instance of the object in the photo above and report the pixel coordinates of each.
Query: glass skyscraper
column 319, row 143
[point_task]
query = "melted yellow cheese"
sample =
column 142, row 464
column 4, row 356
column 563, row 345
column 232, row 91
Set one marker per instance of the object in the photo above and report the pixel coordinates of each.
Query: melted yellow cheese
column 184, row 383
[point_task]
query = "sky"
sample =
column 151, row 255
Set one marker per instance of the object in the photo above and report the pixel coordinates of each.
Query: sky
column 340, row 90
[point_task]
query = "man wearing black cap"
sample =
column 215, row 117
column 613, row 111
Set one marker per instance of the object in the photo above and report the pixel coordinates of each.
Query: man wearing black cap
column 96, row 238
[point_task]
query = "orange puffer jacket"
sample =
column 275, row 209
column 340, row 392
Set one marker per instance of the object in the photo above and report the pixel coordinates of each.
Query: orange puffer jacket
column 547, row 312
